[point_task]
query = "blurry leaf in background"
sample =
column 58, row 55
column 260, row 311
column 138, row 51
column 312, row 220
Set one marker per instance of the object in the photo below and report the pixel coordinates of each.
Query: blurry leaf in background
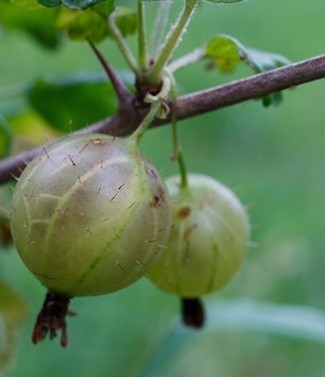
column 81, row 25
column 30, row 130
column 3, row 344
column 6, row 135
column 13, row 312
column 303, row 323
column 34, row 20
column 92, row 23
column 12, row 306
column 74, row 101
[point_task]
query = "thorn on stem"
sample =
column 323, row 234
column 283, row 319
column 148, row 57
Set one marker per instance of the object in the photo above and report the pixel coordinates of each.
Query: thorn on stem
column 121, row 91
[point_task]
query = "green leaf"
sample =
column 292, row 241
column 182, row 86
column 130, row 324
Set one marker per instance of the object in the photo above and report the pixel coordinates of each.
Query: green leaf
column 261, row 61
column 34, row 20
column 72, row 4
column 72, row 102
column 223, row 53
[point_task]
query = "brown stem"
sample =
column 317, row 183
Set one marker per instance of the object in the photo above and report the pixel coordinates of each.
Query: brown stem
column 130, row 114
column 253, row 87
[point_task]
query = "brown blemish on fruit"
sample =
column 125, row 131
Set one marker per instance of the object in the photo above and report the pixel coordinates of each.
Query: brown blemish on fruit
column 158, row 199
column 184, row 212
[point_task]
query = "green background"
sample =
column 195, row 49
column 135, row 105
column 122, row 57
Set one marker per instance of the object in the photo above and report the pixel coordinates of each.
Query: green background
column 274, row 160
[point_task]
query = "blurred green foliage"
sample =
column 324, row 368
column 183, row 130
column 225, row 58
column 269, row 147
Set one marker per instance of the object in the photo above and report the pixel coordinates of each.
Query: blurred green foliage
column 273, row 158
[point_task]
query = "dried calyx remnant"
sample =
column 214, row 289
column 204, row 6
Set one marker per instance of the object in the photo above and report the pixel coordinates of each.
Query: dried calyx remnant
column 52, row 318
column 192, row 312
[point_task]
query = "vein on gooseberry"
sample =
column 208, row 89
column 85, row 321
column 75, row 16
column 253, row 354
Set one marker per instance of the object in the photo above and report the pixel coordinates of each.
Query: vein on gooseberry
column 62, row 201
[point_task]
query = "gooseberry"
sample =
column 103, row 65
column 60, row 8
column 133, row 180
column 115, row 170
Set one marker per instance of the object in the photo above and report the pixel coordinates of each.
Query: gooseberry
column 207, row 243
column 90, row 215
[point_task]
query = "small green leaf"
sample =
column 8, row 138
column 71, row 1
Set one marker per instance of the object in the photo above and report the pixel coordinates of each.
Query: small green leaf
column 261, row 61
column 72, row 102
column 223, row 53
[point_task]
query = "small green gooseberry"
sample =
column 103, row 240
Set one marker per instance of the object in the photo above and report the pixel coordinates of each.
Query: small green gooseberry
column 208, row 240
column 90, row 215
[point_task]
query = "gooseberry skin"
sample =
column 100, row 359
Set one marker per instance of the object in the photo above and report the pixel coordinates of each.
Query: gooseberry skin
column 208, row 240
column 90, row 215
